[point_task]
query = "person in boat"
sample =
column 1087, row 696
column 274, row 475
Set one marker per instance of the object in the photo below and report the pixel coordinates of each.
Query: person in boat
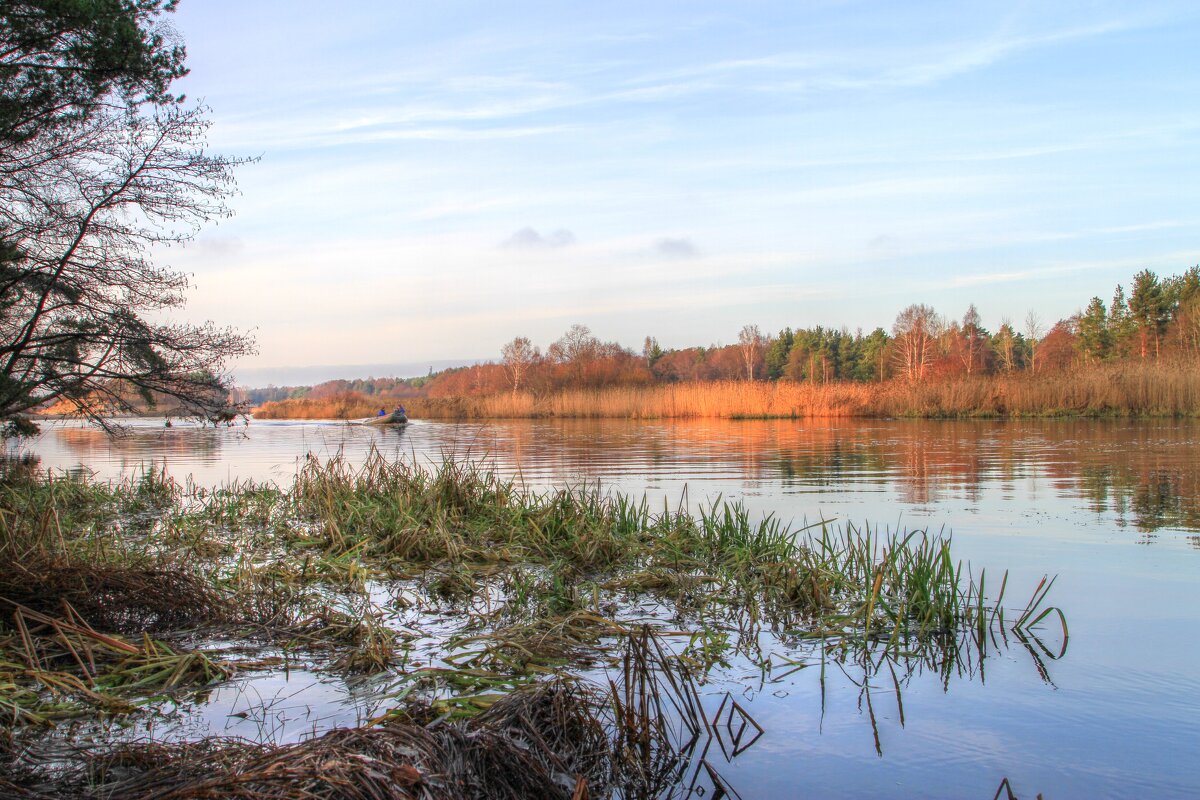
column 399, row 411
column 382, row 412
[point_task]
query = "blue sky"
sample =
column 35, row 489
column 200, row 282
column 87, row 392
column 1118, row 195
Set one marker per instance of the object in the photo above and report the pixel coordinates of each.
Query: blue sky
column 438, row 178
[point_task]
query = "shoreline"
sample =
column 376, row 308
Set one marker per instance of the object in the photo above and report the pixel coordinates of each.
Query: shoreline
column 1137, row 391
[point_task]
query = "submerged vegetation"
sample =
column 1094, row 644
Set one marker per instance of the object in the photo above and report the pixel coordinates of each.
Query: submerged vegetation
column 518, row 643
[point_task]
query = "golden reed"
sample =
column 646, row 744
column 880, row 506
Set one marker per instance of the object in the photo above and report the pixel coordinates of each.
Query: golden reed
column 1153, row 389
column 345, row 405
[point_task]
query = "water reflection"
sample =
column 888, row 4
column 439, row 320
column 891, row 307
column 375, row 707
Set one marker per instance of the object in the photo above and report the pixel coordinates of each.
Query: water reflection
column 1143, row 475
column 1073, row 498
column 1146, row 475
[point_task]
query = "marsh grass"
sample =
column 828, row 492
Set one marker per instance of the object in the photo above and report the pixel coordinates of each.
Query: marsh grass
column 278, row 555
column 545, row 575
column 456, row 588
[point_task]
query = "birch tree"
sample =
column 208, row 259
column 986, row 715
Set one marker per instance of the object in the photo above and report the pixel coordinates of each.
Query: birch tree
column 751, row 343
column 519, row 355
column 915, row 334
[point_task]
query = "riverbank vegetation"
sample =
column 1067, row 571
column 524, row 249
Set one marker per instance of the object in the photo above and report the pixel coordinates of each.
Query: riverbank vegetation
column 1131, row 389
column 554, row 634
column 1137, row 356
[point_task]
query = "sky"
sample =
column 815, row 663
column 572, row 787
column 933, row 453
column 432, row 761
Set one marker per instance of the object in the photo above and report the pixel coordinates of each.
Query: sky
column 436, row 179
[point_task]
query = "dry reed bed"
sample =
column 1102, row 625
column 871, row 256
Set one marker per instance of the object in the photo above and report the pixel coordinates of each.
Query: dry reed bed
column 1125, row 389
column 539, row 583
column 348, row 406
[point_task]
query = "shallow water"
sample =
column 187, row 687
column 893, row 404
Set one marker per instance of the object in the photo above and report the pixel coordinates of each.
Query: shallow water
column 1111, row 507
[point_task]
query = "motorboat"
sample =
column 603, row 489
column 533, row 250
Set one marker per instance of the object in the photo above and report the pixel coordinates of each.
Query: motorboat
column 394, row 418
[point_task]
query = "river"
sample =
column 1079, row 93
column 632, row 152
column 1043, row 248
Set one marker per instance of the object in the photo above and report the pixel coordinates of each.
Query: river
column 1112, row 508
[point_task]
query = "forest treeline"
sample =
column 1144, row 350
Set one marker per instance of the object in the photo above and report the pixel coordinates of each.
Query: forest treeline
column 390, row 388
column 1155, row 328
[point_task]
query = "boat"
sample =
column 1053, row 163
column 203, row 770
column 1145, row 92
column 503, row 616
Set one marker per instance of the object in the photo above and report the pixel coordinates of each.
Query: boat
column 394, row 418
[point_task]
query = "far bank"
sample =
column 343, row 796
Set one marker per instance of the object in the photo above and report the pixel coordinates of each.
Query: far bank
column 1152, row 389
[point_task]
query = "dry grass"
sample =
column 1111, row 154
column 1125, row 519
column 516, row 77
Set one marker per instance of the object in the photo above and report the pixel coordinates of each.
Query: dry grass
column 1114, row 389
column 348, row 405
column 729, row 399
column 116, row 597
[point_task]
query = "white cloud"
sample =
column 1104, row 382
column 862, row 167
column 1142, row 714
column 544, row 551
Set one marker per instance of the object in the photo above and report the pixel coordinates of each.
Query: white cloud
column 676, row 248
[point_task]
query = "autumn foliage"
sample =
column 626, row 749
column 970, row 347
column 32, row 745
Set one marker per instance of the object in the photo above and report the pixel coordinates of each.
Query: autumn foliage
column 1139, row 355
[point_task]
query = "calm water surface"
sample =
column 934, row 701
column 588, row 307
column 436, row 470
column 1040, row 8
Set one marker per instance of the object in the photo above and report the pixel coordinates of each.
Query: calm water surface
column 1110, row 507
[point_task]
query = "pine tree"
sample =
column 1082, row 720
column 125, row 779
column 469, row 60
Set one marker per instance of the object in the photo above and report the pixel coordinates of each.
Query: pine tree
column 1148, row 308
column 1095, row 340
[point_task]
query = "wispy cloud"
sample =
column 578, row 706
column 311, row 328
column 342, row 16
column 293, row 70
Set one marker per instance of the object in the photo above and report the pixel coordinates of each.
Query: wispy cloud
column 318, row 133
column 478, row 105
column 970, row 56
column 857, row 69
column 1056, row 269
column 530, row 239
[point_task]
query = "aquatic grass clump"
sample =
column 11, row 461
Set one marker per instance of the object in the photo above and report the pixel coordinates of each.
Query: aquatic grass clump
column 68, row 543
column 151, row 490
column 391, row 510
column 396, row 513
column 44, row 513
column 58, row 667
column 904, row 588
column 246, row 503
